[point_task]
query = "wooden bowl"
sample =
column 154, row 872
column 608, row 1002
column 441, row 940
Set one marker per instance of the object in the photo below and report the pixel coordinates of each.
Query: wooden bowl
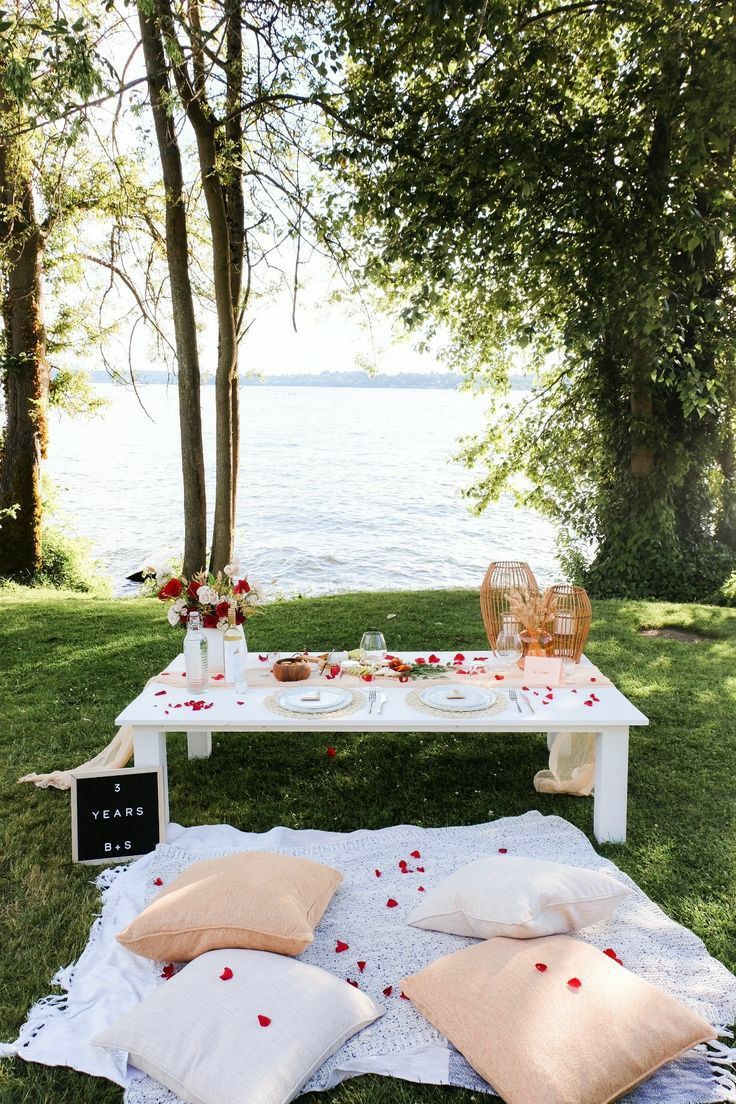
column 292, row 670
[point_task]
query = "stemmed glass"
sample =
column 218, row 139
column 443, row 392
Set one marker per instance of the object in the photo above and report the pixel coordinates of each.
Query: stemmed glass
column 507, row 648
column 372, row 646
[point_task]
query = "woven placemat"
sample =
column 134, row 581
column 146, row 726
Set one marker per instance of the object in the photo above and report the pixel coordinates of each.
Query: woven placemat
column 413, row 699
column 357, row 702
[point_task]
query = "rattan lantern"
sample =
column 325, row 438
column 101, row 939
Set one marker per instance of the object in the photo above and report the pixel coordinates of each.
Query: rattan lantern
column 572, row 621
column 500, row 578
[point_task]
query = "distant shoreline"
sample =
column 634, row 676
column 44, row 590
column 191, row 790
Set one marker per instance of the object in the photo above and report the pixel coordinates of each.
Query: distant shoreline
column 426, row 381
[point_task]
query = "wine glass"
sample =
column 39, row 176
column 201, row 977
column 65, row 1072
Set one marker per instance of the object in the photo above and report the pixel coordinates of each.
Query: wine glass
column 507, row 648
column 372, row 646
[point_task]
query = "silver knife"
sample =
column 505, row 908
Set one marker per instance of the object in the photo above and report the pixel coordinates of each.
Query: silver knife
column 529, row 704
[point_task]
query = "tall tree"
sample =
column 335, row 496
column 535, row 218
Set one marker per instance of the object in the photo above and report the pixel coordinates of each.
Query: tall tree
column 182, row 297
column 560, row 179
column 45, row 59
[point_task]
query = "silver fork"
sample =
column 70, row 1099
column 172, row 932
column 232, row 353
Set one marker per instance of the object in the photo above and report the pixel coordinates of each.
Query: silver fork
column 515, row 699
column 371, row 700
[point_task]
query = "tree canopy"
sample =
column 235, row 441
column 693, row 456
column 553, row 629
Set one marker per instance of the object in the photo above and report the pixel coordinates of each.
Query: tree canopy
column 559, row 179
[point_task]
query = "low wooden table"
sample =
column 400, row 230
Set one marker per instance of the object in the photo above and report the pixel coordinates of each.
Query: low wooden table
column 610, row 719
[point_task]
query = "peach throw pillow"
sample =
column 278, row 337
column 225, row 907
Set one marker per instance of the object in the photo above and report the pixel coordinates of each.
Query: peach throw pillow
column 509, row 1007
column 255, row 899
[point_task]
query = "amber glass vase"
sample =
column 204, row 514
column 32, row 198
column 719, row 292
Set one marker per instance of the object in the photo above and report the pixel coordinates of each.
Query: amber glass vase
column 535, row 642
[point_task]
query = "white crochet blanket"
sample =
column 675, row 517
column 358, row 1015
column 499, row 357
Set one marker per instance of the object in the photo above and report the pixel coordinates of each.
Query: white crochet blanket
column 108, row 979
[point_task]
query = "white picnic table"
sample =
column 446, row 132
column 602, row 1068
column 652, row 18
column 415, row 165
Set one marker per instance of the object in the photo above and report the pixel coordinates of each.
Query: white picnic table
column 153, row 715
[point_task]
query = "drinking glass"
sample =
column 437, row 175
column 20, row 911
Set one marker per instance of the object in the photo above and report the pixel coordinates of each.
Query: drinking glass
column 507, row 648
column 372, row 646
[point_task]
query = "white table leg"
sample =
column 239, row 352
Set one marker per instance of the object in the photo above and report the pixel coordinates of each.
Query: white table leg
column 611, row 785
column 149, row 750
column 199, row 745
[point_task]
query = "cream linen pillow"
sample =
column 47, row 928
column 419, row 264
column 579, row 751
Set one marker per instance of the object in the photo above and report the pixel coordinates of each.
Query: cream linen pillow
column 254, row 899
column 523, row 898
column 240, row 1025
column 509, row 1007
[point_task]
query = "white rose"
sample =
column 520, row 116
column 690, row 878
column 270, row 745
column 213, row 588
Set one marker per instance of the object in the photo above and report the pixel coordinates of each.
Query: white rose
column 207, row 595
column 231, row 569
column 179, row 605
column 172, row 615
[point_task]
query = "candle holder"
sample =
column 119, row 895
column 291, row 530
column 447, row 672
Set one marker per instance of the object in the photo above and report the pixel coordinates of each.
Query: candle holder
column 571, row 626
column 500, row 579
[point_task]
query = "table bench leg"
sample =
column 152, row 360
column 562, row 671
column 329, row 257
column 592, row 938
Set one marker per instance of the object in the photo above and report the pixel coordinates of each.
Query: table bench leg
column 149, row 750
column 199, row 745
column 611, row 785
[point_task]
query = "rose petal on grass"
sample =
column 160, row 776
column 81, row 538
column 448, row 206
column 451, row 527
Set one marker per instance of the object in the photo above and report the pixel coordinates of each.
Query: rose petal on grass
column 331, row 753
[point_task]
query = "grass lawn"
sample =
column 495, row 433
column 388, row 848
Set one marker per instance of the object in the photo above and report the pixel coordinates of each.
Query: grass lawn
column 69, row 664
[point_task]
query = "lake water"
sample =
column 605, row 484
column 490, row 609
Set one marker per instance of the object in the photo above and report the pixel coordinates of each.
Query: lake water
column 340, row 489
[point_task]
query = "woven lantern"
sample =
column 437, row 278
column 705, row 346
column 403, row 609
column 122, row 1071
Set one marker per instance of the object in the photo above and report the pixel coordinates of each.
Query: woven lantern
column 572, row 621
column 500, row 578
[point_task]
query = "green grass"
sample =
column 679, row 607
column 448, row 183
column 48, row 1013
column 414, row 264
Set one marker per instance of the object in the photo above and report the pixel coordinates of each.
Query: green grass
column 70, row 663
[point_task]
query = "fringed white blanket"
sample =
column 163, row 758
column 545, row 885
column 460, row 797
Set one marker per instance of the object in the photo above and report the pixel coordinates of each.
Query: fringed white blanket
column 108, row 979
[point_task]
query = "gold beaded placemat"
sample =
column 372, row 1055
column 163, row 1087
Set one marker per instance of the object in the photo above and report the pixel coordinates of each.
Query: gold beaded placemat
column 413, row 699
column 357, row 701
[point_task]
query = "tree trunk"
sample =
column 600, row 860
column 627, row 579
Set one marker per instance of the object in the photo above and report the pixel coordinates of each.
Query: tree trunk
column 235, row 208
column 25, row 371
column 185, row 329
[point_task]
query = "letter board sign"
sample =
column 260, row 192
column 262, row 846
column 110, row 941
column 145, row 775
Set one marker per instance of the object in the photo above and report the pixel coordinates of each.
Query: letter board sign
column 117, row 814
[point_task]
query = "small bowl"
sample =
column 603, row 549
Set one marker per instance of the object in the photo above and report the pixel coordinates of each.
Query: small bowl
column 292, row 670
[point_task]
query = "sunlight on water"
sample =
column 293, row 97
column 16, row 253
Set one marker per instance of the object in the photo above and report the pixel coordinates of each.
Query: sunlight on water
column 340, row 488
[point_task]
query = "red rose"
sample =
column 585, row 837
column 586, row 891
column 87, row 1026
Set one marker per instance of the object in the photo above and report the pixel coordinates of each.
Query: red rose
column 193, row 589
column 239, row 619
column 242, row 587
column 221, row 609
column 172, row 590
column 209, row 621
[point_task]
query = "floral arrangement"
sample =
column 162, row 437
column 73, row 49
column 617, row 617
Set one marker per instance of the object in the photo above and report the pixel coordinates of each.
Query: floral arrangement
column 212, row 596
column 531, row 610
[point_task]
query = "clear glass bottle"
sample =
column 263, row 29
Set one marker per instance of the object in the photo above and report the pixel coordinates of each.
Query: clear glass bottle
column 235, row 649
column 196, row 662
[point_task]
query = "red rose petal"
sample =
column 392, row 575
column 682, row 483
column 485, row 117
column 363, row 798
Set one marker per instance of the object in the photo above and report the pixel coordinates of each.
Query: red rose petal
column 361, row 966
column 404, row 996
column 573, row 691
column 263, row 659
column 549, row 697
column 403, row 678
column 406, row 870
column 595, row 697
column 240, row 703
column 216, row 678
column 367, row 678
column 158, row 881
column 502, row 850
column 331, row 753
column 391, row 903
column 588, row 702
column 592, row 679
column 335, row 670
column 421, row 889
column 420, row 870
column 434, row 659
column 479, row 659
column 264, row 1021
column 459, row 658
column 388, row 990
column 499, row 678
column 574, row 983
column 420, row 661
column 610, row 952
column 545, row 703
column 541, row 966
column 159, row 693
column 402, row 863
column 168, row 971
column 340, row 946
column 351, row 982
column 525, row 688
column 226, row 974
column 377, row 873
column 416, row 854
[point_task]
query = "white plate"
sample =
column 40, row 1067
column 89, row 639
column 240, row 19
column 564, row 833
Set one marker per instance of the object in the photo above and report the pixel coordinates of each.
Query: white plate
column 329, row 700
column 474, row 697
